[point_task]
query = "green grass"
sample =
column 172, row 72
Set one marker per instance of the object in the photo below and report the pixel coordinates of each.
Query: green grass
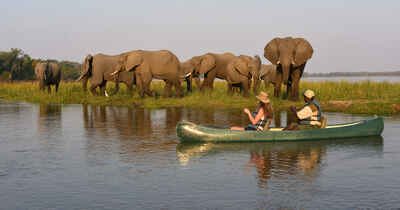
column 350, row 97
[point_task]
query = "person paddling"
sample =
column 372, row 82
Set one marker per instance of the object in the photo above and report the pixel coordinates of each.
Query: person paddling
column 309, row 115
column 259, row 118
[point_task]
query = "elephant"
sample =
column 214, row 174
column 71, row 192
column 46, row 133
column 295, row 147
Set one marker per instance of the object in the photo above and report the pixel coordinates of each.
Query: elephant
column 187, row 72
column 98, row 69
column 290, row 55
column 212, row 66
column 147, row 65
column 240, row 72
column 48, row 74
column 267, row 73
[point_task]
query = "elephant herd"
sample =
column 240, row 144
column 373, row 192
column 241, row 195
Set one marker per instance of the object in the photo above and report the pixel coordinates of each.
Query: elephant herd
column 139, row 67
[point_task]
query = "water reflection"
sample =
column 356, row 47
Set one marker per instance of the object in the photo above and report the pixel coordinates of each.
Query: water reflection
column 287, row 115
column 132, row 131
column 49, row 117
column 125, row 122
column 279, row 160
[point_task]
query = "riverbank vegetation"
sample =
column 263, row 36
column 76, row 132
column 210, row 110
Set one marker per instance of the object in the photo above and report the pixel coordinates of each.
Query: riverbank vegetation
column 364, row 97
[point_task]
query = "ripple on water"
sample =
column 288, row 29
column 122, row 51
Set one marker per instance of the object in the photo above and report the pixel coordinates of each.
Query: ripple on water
column 3, row 173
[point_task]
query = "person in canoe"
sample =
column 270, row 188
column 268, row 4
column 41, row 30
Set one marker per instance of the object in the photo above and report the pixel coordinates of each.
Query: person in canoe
column 261, row 116
column 309, row 116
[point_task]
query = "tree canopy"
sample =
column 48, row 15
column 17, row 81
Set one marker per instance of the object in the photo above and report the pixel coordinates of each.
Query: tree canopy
column 16, row 65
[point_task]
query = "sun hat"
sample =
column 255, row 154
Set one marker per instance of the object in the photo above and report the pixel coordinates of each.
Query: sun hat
column 263, row 97
column 309, row 94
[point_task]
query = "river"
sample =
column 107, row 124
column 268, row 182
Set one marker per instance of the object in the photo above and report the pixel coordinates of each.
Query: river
column 91, row 157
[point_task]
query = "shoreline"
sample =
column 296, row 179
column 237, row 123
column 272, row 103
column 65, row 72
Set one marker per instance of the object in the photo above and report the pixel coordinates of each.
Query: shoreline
column 364, row 97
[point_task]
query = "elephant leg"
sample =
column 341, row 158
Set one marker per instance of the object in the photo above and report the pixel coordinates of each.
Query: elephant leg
column 103, row 88
column 178, row 90
column 189, row 83
column 57, row 87
column 84, row 83
column 278, row 83
column 204, row 83
column 41, row 86
column 230, row 89
column 167, row 89
column 116, row 88
column 197, row 81
column 130, row 88
column 245, row 87
column 211, row 83
column 208, row 80
column 48, row 89
column 146, row 81
column 93, row 89
column 139, row 84
column 266, row 84
column 289, row 90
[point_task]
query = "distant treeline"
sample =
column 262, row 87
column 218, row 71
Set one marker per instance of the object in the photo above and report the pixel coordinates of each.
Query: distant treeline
column 16, row 65
column 351, row 74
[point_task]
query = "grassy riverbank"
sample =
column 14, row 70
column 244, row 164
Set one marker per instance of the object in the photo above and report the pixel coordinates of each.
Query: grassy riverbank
column 350, row 97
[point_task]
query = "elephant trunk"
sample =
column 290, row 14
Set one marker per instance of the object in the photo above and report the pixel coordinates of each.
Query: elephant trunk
column 256, row 83
column 285, row 73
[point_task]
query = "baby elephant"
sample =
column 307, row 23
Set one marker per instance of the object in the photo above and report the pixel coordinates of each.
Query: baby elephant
column 268, row 73
column 48, row 74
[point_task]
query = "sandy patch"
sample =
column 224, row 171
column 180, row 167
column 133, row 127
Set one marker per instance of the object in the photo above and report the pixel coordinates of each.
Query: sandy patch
column 344, row 104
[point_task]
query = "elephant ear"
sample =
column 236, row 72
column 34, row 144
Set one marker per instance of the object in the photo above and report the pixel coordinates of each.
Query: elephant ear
column 241, row 64
column 271, row 51
column 132, row 61
column 207, row 63
column 303, row 51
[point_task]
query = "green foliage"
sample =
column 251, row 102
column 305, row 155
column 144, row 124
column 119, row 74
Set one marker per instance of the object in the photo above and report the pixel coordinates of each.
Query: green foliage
column 70, row 70
column 16, row 65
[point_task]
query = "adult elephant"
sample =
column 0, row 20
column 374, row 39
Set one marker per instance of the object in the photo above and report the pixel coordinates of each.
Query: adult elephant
column 240, row 71
column 98, row 69
column 267, row 74
column 48, row 74
column 290, row 55
column 212, row 66
column 147, row 65
column 187, row 70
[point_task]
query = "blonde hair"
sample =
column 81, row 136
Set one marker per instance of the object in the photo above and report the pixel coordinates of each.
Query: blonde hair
column 268, row 109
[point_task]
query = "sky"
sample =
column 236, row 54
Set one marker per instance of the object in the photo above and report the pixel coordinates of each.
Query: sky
column 347, row 35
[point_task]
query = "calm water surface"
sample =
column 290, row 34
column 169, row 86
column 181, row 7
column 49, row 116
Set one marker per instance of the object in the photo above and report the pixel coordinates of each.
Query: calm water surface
column 90, row 157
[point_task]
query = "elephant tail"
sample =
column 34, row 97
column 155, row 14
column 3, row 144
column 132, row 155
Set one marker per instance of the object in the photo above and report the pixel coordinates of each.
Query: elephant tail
column 83, row 75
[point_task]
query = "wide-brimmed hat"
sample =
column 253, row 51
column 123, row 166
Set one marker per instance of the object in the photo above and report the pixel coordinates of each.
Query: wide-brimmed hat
column 309, row 94
column 263, row 97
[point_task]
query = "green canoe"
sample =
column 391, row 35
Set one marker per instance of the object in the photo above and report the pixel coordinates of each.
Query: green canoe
column 190, row 132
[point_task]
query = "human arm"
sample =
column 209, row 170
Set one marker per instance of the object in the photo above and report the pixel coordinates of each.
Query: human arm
column 304, row 113
column 255, row 119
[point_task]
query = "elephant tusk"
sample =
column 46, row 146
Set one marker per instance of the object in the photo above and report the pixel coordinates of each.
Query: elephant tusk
column 293, row 63
column 106, row 94
column 188, row 74
column 114, row 73
column 279, row 62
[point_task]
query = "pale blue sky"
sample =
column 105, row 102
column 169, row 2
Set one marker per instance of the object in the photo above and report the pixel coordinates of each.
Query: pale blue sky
column 352, row 35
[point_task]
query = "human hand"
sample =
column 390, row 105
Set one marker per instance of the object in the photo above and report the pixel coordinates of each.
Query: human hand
column 246, row 110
